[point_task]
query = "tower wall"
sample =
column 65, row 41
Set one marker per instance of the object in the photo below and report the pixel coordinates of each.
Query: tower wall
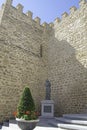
column 68, row 61
column 31, row 53
column 21, row 62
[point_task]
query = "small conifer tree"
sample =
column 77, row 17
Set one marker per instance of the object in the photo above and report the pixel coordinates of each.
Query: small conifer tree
column 26, row 103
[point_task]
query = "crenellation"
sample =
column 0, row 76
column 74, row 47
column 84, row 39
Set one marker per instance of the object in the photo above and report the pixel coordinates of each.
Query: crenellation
column 30, row 53
column 64, row 15
column 69, row 68
column 72, row 9
column 57, row 20
column 37, row 20
column 74, row 13
column 45, row 25
column 17, row 12
column 20, row 8
column 2, row 6
column 29, row 14
column 82, row 2
column 8, row 2
column 27, row 17
column 51, row 25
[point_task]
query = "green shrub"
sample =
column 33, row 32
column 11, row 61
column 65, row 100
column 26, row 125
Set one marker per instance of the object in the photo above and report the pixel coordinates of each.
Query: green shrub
column 26, row 106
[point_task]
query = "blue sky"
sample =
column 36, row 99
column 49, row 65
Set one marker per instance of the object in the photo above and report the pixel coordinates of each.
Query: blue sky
column 47, row 10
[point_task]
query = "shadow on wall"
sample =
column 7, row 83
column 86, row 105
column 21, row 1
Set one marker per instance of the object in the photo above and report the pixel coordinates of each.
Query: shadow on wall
column 68, row 77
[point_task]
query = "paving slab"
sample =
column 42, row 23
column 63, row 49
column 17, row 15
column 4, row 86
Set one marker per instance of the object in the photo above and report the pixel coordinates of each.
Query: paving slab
column 47, row 128
column 45, row 124
column 69, row 126
column 76, row 116
column 73, row 121
column 72, row 127
column 5, row 128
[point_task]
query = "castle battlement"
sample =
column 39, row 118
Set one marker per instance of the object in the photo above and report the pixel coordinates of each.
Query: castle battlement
column 17, row 13
column 19, row 7
column 74, row 13
column 72, row 9
column 32, row 52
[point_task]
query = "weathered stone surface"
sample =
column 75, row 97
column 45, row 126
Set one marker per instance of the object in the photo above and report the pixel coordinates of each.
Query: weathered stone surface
column 20, row 61
column 68, row 62
column 30, row 53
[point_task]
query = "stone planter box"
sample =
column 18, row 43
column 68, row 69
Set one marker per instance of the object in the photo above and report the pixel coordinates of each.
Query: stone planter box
column 26, row 124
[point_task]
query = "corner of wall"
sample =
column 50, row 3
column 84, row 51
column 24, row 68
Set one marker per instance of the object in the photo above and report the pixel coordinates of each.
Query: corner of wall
column 73, row 10
column 4, row 8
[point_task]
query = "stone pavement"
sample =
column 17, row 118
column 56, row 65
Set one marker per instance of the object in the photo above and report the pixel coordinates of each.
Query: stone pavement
column 67, row 122
column 44, row 124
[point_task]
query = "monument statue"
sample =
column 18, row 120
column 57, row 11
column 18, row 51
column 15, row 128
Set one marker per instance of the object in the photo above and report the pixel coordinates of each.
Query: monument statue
column 48, row 89
column 47, row 109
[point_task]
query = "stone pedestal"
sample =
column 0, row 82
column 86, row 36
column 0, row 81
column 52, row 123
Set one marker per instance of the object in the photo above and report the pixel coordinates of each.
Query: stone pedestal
column 47, row 108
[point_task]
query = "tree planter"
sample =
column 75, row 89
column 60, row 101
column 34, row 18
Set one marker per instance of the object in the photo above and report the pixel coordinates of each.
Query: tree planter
column 26, row 124
column 27, row 116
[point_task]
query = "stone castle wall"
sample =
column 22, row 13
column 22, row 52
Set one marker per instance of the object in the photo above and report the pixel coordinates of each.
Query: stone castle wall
column 30, row 53
column 68, row 60
column 21, row 62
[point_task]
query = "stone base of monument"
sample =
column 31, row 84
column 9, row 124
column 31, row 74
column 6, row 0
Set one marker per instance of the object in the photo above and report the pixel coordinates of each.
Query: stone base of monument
column 47, row 108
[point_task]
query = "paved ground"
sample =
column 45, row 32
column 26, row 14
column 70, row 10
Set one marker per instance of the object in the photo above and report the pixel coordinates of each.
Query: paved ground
column 44, row 124
column 47, row 128
column 79, row 122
